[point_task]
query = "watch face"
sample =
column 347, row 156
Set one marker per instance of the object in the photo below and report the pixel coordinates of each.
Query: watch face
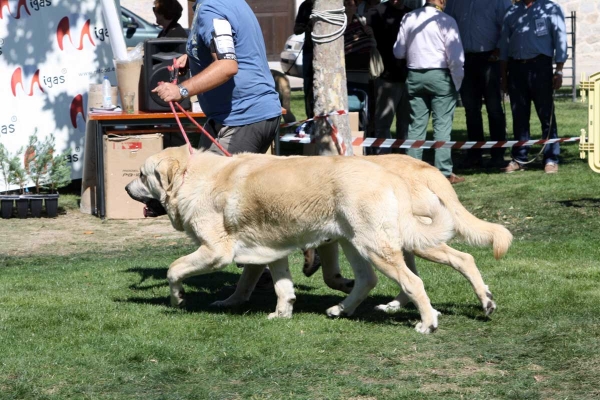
column 183, row 91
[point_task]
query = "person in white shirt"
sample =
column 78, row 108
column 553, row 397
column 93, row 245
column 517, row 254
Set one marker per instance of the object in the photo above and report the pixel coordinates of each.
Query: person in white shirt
column 430, row 42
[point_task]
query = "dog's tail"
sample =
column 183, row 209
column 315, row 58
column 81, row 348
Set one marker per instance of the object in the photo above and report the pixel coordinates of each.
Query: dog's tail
column 472, row 229
column 432, row 223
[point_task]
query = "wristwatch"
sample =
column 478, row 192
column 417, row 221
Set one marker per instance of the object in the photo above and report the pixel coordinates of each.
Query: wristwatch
column 183, row 92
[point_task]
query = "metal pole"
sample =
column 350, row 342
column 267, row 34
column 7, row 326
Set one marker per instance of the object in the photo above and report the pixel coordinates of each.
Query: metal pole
column 573, row 42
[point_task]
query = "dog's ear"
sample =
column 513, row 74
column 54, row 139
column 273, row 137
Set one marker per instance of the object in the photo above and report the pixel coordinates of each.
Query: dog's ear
column 165, row 172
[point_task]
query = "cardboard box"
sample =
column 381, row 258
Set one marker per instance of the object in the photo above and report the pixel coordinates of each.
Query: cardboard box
column 358, row 150
column 353, row 117
column 123, row 157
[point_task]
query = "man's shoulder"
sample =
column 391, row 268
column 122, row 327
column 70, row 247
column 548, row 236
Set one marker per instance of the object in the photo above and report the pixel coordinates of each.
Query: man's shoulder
column 514, row 8
column 552, row 5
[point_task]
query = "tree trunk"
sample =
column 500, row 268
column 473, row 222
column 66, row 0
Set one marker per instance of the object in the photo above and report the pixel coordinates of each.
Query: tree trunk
column 330, row 91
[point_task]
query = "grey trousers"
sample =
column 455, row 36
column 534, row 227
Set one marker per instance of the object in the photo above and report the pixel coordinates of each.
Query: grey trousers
column 251, row 138
column 432, row 92
column 391, row 100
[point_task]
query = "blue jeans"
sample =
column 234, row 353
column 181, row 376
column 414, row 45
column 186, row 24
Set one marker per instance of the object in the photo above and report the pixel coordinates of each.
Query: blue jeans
column 527, row 82
column 482, row 80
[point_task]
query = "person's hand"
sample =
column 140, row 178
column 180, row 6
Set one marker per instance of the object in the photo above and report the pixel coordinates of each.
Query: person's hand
column 504, row 84
column 495, row 56
column 557, row 81
column 167, row 92
column 182, row 64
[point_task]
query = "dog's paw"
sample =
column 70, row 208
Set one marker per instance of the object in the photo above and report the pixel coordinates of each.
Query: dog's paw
column 336, row 311
column 489, row 308
column 426, row 328
column 177, row 302
column 391, row 307
column 279, row 314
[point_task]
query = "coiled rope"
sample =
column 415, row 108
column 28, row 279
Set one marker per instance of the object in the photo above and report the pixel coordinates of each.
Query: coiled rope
column 334, row 17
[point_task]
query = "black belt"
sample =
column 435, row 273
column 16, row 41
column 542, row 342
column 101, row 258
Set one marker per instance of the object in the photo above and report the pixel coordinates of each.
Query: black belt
column 479, row 53
column 530, row 60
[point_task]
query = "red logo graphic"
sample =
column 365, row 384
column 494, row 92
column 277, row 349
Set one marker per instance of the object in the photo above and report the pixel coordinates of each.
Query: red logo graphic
column 64, row 29
column 20, row 4
column 76, row 108
column 17, row 78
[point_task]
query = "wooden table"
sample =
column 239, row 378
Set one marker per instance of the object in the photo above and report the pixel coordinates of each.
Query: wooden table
column 105, row 122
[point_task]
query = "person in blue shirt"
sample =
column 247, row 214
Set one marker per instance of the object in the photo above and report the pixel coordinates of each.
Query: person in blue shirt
column 479, row 23
column 533, row 34
column 230, row 75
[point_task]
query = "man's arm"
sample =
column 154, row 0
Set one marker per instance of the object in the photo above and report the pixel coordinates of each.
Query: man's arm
column 216, row 74
column 219, row 38
column 503, row 54
column 400, row 45
column 455, row 54
column 560, row 43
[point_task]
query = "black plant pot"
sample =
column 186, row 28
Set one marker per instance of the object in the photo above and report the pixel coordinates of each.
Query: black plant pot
column 35, row 205
column 22, row 207
column 7, row 204
column 52, row 205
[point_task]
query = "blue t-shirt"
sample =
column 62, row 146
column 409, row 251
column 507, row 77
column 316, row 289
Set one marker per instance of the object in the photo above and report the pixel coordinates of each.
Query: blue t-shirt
column 250, row 95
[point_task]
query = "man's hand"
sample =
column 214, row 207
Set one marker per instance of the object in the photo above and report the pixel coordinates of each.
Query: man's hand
column 557, row 81
column 182, row 65
column 167, row 92
column 504, row 76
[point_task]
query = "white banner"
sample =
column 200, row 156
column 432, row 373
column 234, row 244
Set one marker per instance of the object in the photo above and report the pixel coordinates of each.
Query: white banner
column 50, row 52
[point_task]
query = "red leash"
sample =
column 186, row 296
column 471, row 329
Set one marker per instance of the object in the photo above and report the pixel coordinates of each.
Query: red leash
column 174, row 71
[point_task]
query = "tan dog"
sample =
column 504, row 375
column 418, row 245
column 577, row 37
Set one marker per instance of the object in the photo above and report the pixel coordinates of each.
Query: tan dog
column 416, row 174
column 257, row 209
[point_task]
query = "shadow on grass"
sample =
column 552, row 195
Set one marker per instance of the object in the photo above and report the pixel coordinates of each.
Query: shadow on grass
column 220, row 285
column 580, row 203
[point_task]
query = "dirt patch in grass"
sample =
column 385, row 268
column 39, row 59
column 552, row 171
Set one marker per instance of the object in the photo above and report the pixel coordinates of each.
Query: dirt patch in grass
column 73, row 232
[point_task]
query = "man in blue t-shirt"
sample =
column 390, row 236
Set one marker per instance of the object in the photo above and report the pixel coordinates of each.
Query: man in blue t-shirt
column 231, row 77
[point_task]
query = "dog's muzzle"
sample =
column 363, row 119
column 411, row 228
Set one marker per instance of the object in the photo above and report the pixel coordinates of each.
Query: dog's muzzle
column 154, row 209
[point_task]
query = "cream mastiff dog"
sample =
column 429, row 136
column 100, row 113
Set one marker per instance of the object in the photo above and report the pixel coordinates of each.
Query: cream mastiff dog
column 422, row 176
column 257, row 209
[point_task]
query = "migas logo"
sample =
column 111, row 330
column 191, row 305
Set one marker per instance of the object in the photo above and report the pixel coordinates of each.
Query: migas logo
column 75, row 109
column 4, row 4
column 17, row 79
column 36, row 5
column 64, row 29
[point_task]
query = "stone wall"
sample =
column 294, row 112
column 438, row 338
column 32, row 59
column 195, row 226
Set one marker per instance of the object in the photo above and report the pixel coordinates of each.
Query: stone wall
column 587, row 34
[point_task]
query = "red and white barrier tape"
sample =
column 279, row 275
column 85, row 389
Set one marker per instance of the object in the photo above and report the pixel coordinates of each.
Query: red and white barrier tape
column 428, row 144
column 295, row 123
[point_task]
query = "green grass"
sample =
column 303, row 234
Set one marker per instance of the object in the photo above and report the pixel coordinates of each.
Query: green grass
column 96, row 324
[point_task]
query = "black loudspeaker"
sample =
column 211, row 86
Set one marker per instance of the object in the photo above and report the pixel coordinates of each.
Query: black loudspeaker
column 158, row 56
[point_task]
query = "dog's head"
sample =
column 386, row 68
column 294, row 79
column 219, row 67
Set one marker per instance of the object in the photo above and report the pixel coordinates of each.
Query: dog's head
column 155, row 184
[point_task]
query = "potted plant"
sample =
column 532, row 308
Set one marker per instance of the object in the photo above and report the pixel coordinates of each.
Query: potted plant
column 38, row 158
column 59, row 175
column 18, row 176
column 6, row 200
column 46, row 170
